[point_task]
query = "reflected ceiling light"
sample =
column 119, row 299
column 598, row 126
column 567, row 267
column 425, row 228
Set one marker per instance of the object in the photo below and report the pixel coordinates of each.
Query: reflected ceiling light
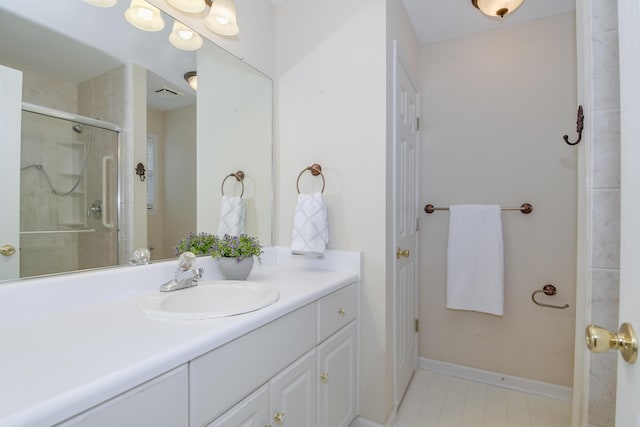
column 222, row 18
column 184, row 37
column 192, row 78
column 188, row 6
column 144, row 16
column 496, row 7
column 101, row 3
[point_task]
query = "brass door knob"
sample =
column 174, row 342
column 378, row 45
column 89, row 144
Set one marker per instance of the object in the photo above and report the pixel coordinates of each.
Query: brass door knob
column 278, row 418
column 342, row 312
column 7, row 250
column 324, row 377
column 402, row 253
column 600, row 340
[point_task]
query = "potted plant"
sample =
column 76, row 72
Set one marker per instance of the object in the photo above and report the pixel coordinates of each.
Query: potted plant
column 235, row 255
column 199, row 244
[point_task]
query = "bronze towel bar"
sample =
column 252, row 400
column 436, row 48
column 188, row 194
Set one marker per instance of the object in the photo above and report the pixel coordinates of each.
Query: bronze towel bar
column 525, row 208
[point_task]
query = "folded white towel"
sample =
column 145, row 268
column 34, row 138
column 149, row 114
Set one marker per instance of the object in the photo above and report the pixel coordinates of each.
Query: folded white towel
column 475, row 259
column 231, row 216
column 310, row 228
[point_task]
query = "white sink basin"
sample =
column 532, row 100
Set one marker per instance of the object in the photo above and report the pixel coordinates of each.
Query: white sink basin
column 210, row 299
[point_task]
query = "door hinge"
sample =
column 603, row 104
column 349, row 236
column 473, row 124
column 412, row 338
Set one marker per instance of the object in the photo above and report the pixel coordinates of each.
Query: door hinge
column 417, row 123
column 417, row 224
column 417, row 325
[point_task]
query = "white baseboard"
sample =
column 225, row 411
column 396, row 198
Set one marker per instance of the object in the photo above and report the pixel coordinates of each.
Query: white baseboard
column 363, row 422
column 497, row 379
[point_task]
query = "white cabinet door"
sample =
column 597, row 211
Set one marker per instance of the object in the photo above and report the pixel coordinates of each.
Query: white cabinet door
column 337, row 388
column 157, row 403
column 253, row 411
column 293, row 394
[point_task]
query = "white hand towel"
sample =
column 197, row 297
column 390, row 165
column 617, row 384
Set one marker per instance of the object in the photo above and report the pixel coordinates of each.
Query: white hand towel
column 231, row 216
column 310, row 227
column 475, row 259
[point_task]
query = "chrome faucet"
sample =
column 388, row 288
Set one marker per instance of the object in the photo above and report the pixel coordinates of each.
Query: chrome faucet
column 186, row 275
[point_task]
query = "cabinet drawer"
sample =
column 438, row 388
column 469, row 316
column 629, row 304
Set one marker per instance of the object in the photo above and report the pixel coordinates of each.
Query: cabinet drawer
column 159, row 402
column 224, row 376
column 336, row 310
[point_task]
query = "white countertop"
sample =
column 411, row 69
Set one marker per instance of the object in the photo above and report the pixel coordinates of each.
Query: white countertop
column 59, row 362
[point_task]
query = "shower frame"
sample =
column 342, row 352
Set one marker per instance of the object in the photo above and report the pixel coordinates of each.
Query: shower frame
column 77, row 118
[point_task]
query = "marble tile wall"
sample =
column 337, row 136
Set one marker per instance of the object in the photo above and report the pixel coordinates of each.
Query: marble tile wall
column 605, row 204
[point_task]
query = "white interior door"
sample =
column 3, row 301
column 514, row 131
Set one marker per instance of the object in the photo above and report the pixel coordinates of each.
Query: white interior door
column 405, row 229
column 10, row 124
column 628, row 388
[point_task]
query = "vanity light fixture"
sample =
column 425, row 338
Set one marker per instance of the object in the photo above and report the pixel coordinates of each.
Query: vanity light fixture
column 184, row 37
column 188, row 6
column 222, row 18
column 101, row 3
column 192, row 78
column 496, row 7
column 144, row 16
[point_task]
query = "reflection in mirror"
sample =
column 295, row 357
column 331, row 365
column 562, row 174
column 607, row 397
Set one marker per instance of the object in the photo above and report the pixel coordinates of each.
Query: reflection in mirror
column 89, row 64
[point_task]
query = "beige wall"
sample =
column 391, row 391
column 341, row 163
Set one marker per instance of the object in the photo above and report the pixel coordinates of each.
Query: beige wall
column 495, row 107
column 235, row 131
column 330, row 84
column 179, row 198
column 155, row 217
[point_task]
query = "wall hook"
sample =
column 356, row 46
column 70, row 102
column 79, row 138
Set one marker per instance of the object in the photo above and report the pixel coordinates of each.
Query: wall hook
column 550, row 290
column 140, row 171
column 579, row 127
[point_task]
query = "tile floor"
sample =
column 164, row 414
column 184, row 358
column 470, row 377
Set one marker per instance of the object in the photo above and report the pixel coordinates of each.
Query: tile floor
column 437, row 400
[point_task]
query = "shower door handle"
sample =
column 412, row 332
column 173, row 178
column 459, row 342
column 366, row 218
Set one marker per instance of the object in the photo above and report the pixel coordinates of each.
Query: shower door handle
column 105, row 177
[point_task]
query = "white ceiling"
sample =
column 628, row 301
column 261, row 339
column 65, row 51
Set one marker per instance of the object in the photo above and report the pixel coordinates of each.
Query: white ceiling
column 436, row 20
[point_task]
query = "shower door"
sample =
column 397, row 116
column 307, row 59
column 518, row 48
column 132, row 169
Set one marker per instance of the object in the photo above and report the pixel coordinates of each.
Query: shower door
column 68, row 194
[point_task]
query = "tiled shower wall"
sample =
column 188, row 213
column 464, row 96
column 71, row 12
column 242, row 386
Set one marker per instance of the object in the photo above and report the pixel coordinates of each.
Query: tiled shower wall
column 103, row 97
column 42, row 253
column 604, row 196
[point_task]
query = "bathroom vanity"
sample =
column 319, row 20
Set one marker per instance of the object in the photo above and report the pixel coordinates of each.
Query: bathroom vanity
column 77, row 351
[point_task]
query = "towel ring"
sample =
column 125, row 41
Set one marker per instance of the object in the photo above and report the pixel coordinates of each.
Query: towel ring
column 239, row 176
column 550, row 290
column 315, row 170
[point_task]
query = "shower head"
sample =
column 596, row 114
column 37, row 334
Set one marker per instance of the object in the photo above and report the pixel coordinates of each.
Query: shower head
column 77, row 128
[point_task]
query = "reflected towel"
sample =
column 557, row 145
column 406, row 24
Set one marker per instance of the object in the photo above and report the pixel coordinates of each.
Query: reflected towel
column 475, row 259
column 310, row 227
column 231, row 216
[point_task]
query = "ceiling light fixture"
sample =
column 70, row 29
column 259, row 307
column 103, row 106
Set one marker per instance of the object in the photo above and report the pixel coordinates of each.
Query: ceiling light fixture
column 188, row 6
column 144, row 16
column 184, row 37
column 496, row 7
column 222, row 18
column 192, row 78
column 101, row 3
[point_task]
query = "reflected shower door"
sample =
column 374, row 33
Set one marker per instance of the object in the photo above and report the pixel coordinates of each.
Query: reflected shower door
column 68, row 196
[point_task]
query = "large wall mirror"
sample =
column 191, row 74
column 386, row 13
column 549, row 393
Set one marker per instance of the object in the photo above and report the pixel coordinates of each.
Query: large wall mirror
column 100, row 96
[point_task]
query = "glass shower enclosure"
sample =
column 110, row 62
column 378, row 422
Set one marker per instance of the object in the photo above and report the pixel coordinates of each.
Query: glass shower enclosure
column 68, row 192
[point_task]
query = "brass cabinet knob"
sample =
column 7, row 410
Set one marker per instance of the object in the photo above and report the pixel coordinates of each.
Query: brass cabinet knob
column 7, row 250
column 324, row 377
column 278, row 418
column 600, row 340
column 342, row 311
column 402, row 253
